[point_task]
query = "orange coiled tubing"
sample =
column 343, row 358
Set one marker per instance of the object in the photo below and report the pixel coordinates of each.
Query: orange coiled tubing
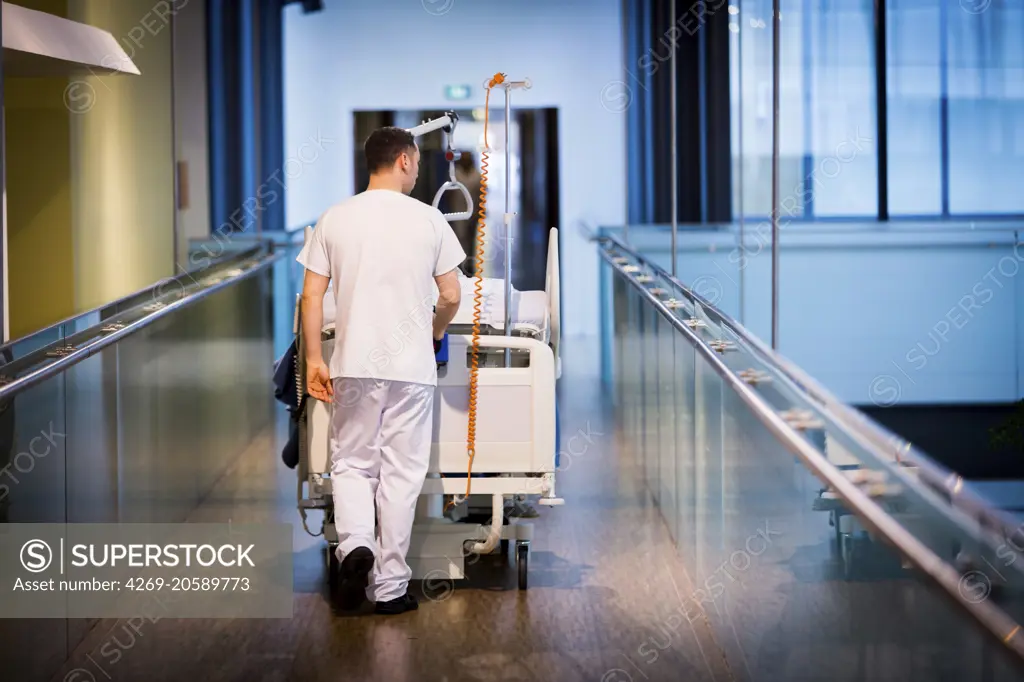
column 478, row 287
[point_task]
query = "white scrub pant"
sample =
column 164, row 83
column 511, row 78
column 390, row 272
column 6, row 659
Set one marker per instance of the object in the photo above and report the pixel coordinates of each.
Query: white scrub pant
column 380, row 452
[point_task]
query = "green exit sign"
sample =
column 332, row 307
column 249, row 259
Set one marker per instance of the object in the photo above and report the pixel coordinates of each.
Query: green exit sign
column 456, row 92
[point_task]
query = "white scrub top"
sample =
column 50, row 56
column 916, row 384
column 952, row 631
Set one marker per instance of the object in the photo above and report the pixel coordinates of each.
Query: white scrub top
column 382, row 250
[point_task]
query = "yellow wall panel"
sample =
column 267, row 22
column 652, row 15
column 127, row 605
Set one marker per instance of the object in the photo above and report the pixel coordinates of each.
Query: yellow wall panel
column 122, row 158
column 41, row 277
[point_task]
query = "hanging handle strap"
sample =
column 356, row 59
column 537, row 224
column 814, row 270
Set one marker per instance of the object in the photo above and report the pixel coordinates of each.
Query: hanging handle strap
column 455, row 185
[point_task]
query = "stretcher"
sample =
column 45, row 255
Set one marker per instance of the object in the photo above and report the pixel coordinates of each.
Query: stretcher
column 851, row 536
column 515, row 431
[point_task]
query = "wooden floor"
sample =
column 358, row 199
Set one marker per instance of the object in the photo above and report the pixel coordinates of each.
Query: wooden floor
column 604, row 576
column 609, row 588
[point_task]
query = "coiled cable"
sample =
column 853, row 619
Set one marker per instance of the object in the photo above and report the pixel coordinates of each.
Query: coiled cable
column 478, row 293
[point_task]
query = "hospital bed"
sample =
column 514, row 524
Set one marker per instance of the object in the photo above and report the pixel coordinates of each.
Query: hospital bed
column 850, row 533
column 515, row 430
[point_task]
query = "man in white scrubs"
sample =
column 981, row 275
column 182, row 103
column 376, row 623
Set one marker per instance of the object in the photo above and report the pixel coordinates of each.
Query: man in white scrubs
column 384, row 252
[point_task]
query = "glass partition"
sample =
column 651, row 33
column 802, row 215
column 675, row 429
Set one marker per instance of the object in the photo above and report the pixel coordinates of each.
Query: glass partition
column 140, row 429
column 810, row 552
column 33, row 478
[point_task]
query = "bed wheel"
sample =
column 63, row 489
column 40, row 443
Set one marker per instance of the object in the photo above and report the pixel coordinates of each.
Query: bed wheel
column 522, row 560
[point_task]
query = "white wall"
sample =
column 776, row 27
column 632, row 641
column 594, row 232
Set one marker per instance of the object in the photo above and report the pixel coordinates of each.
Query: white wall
column 399, row 54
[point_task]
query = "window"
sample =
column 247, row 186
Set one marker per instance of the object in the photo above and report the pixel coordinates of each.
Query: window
column 827, row 142
column 986, row 106
column 840, row 134
column 956, row 107
column 751, row 76
column 955, row 104
column 914, row 83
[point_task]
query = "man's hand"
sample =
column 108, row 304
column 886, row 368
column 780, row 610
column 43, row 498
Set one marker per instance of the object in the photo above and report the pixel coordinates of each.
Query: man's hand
column 448, row 301
column 318, row 377
column 318, row 382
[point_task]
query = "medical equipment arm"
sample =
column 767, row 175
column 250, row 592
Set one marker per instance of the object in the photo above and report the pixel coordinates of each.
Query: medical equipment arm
column 447, row 122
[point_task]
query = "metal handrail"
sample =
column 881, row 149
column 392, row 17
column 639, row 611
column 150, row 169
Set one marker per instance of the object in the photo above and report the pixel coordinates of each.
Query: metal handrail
column 874, row 517
column 702, row 236
column 846, row 226
column 105, row 339
column 939, row 478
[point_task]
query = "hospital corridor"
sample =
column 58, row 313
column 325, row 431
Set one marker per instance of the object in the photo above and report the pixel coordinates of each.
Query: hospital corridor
column 725, row 381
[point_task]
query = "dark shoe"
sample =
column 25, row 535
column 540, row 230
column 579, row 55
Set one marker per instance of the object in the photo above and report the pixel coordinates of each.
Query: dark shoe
column 406, row 602
column 354, row 571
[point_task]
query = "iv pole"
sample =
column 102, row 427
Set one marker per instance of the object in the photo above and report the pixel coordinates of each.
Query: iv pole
column 508, row 87
column 776, row 17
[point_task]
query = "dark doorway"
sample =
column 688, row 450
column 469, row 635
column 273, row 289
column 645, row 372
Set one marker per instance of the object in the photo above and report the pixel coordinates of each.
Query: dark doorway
column 533, row 140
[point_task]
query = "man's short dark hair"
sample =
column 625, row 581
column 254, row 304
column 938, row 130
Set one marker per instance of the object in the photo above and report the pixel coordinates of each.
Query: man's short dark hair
column 385, row 145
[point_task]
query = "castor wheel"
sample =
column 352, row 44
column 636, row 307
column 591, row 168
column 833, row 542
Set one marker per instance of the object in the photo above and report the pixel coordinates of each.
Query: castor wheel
column 523, row 562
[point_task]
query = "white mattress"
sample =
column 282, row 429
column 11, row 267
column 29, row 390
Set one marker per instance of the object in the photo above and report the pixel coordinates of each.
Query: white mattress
column 529, row 308
column 530, row 312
